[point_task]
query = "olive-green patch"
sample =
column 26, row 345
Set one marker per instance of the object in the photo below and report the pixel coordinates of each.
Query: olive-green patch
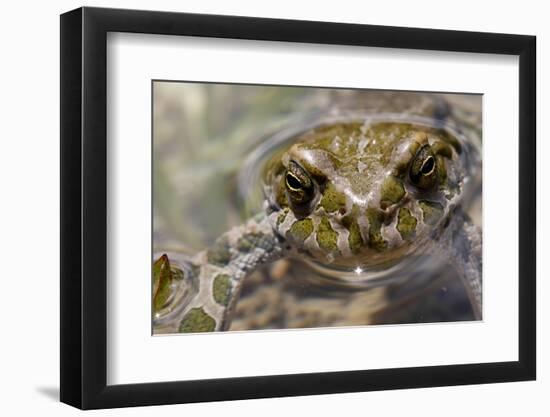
column 327, row 238
column 431, row 211
column 221, row 288
column 350, row 222
column 392, row 191
column 332, row 200
column 406, row 223
column 197, row 320
column 301, row 229
column 219, row 253
column 376, row 241
column 355, row 240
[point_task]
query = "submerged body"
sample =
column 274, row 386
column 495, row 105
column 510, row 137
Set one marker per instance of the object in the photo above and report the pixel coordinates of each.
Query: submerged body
column 354, row 193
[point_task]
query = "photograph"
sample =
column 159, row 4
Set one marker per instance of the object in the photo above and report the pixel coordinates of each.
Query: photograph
column 257, row 206
column 291, row 207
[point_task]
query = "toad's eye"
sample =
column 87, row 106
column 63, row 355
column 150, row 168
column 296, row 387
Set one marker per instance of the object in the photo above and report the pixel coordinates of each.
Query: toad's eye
column 423, row 169
column 298, row 184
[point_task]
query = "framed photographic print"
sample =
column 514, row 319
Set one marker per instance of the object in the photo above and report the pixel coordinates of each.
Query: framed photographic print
column 258, row 208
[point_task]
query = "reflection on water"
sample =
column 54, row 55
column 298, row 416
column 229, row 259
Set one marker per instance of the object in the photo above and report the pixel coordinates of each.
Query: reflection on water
column 205, row 136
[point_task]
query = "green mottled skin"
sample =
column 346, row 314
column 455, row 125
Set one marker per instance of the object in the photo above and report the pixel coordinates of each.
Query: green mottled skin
column 332, row 200
column 351, row 194
column 301, row 230
column 392, row 191
column 363, row 175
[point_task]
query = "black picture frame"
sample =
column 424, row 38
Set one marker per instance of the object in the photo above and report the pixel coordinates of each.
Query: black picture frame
column 84, row 207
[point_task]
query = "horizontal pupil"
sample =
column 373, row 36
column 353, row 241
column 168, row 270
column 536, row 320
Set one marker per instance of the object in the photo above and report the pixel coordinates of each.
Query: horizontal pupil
column 427, row 166
column 292, row 181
